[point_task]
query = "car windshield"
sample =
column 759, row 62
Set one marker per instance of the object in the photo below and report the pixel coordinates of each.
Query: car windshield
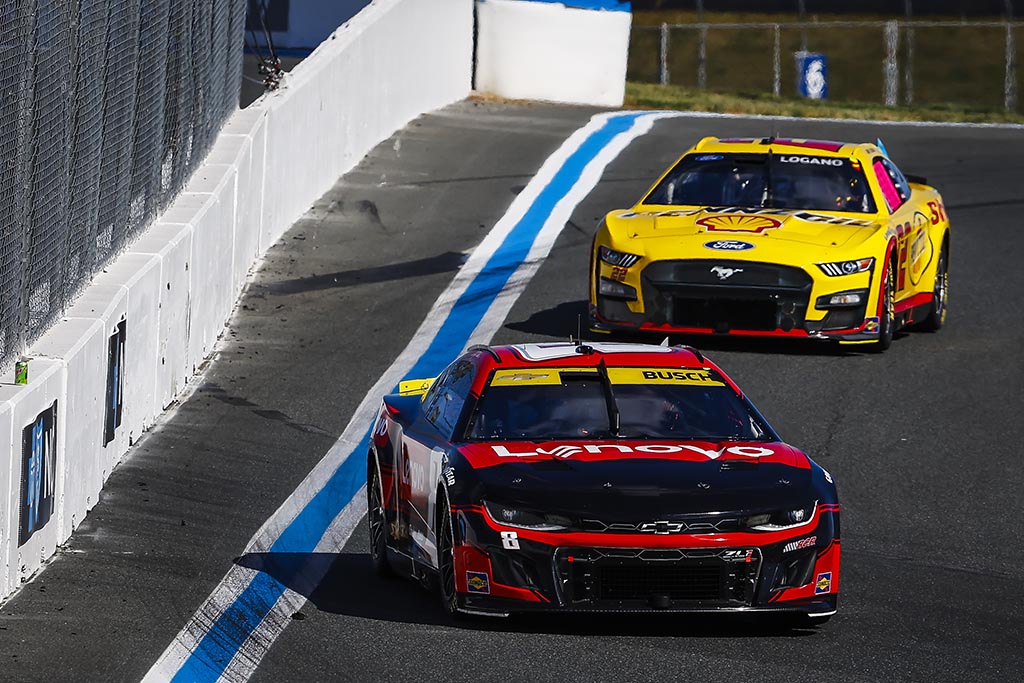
column 780, row 181
column 626, row 403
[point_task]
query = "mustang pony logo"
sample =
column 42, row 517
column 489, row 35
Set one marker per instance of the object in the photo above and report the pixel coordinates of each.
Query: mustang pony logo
column 724, row 273
column 738, row 223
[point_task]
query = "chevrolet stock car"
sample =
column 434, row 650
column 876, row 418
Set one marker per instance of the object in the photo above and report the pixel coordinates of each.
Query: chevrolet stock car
column 591, row 477
column 776, row 237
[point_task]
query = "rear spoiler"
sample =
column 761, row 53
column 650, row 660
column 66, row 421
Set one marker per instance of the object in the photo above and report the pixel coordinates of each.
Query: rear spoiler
column 414, row 387
column 916, row 179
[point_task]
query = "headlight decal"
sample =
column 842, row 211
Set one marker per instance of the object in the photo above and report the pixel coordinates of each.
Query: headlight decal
column 782, row 519
column 617, row 258
column 838, row 268
column 526, row 519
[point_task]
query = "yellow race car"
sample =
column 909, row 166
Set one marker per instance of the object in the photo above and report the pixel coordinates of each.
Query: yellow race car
column 776, row 237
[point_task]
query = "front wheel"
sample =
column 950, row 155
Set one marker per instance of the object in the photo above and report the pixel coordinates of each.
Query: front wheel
column 446, row 558
column 376, row 523
column 936, row 317
column 887, row 312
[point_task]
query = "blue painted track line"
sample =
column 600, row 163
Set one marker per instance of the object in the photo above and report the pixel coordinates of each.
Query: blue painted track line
column 224, row 638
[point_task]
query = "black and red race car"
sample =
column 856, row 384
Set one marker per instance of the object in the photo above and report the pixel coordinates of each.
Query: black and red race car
column 597, row 477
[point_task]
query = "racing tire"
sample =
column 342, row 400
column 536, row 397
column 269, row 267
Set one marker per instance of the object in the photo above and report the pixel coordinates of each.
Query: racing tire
column 376, row 523
column 936, row 317
column 446, row 559
column 887, row 314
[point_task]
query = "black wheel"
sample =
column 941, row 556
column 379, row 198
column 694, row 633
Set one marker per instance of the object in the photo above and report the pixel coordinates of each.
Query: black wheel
column 376, row 522
column 887, row 314
column 936, row 317
column 446, row 557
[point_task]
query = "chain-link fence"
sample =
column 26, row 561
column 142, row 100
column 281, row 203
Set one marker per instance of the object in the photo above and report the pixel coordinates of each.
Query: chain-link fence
column 107, row 107
column 967, row 63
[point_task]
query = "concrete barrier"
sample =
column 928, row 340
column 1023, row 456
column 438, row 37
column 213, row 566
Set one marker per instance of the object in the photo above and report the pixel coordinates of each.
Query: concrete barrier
column 570, row 51
column 127, row 347
column 33, row 458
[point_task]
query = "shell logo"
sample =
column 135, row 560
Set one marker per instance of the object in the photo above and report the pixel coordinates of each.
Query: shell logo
column 738, row 223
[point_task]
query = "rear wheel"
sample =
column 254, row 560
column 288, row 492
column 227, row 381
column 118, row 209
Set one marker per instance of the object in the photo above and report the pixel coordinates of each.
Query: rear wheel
column 376, row 522
column 446, row 557
column 887, row 312
column 936, row 317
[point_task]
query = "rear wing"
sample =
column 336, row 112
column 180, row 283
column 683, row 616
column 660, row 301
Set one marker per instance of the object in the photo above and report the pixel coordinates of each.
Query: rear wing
column 414, row 387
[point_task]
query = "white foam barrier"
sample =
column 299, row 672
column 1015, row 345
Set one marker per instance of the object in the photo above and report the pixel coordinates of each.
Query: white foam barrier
column 572, row 51
column 127, row 347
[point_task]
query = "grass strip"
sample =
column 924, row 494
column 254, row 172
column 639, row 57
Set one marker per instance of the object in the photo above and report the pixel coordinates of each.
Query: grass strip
column 652, row 96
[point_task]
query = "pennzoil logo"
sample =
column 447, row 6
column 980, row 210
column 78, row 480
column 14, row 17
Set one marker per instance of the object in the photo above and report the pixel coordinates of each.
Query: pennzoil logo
column 738, row 223
column 478, row 582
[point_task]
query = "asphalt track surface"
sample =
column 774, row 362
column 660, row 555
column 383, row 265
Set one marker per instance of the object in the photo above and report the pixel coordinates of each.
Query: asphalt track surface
column 924, row 441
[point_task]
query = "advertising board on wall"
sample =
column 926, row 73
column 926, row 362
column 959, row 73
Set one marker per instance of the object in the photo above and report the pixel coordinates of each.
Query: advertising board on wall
column 115, row 383
column 38, row 473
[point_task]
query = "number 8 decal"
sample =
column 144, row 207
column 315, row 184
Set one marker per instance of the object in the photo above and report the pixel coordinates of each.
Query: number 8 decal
column 509, row 540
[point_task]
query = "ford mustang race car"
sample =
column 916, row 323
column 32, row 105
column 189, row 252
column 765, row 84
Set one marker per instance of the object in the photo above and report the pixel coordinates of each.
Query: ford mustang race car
column 780, row 237
column 597, row 477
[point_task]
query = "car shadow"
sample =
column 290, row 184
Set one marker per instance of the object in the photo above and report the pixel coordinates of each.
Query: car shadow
column 563, row 321
column 347, row 584
column 566, row 320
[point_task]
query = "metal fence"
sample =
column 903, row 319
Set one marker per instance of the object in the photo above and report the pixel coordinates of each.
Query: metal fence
column 107, row 107
column 896, row 62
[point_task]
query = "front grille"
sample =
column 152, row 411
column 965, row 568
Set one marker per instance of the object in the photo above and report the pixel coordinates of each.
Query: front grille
column 649, row 578
column 691, row 581
column 726, row 295
column 725, row 315
column 687, row 525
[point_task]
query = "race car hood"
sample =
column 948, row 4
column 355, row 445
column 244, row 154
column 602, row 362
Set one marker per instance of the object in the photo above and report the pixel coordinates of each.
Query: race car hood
column 665, row 230
column 644, row 479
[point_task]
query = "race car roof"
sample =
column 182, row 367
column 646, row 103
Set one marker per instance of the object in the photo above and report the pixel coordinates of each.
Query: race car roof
column 589, row 353
column 792, row 145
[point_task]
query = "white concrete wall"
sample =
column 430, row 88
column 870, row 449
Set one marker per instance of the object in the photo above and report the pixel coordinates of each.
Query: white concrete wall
column 533, row 50
column 176, row 286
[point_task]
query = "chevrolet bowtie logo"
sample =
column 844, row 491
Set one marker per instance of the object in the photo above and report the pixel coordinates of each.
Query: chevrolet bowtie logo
column 662, row 527
column 724, row 273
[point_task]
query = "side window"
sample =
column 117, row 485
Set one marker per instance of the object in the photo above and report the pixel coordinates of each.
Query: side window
column 444, row 406
column 895, row 187
column 430, row 399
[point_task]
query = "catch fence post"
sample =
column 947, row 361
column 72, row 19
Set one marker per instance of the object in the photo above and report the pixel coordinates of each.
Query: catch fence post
column 890, row 69
column 702, row 55
column 1010, row 82
column 908, row 67
column 776, row 61
column 663, row 55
